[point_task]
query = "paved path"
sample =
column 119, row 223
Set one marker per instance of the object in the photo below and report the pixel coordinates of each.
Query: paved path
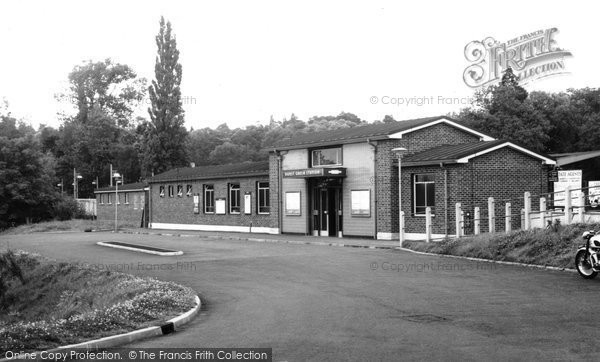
column 328, row 303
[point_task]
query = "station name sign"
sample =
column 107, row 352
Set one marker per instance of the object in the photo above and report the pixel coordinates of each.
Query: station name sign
column 315, row 172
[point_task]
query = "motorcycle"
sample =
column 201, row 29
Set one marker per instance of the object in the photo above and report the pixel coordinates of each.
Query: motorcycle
column 587, row 260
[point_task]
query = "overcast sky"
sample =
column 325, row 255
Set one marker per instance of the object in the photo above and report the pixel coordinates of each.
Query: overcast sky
column 244, row 61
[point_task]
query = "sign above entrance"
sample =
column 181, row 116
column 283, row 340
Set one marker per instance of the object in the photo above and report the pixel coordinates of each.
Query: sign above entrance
column 316, row 172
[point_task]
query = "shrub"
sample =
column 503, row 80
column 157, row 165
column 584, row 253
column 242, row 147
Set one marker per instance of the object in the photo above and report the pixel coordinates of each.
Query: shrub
column 67, row 208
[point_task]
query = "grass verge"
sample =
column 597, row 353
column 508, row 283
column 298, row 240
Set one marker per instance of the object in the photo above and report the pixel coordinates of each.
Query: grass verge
column 540, row 247
column 68, row 225
column 65, row 303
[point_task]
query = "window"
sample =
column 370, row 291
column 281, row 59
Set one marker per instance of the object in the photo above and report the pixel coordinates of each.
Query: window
column 110, row 198
column 126, row 197
column 264, row 203
column 234, row 198
column 179, row 190
column 188, row 191
column 171, row 189
column 209, row 199
column 327, row 157
column 424, row 193
column 292, row 203
column 162, row 191
column 101, row 197
column 361, row 202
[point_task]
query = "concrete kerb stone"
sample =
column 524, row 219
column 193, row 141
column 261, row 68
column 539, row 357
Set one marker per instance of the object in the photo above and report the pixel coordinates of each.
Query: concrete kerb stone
column 172, row 325
column 140, row 250
column 489, row 260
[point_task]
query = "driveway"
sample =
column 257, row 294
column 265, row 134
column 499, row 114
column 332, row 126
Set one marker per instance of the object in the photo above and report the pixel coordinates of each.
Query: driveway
column 334, row 303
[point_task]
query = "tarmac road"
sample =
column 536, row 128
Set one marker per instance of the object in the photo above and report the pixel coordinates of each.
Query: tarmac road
column 332, row 303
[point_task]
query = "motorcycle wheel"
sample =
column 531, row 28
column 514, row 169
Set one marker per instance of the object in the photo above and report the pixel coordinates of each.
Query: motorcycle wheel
column 583, row 266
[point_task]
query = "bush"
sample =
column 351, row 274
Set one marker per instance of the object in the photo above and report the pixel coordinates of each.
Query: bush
column 67, row 208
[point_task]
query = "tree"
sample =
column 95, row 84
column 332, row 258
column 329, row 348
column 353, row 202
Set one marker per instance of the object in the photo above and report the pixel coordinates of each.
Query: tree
column 505, row 112
column 164, row 143
column 108, row 87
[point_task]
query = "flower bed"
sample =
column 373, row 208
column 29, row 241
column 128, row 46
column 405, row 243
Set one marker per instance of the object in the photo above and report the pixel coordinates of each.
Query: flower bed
column 63, row 303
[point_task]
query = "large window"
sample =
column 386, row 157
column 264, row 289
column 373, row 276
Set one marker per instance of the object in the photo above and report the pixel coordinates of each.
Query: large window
column 262, row 190
column 209, row 199
column 424, row 193
column 327, row 157
column 234, row 198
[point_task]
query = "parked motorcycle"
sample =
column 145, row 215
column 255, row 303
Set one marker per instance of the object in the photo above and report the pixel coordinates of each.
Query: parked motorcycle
column 586, row 259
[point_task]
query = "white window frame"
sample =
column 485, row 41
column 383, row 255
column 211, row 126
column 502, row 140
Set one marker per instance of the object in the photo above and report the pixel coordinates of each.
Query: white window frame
column 161, row 191
column 179, row 190
column 126, row 197
column 209, row 195
column 171, row 191
column 188, row 191
column 339, row 157
column 263, row 189
column 235, row 194
column 414, row 180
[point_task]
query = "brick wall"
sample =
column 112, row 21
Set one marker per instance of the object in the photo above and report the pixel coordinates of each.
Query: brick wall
column 128, row 213
column 504, row 174
column 387, row 174
column 180, row 210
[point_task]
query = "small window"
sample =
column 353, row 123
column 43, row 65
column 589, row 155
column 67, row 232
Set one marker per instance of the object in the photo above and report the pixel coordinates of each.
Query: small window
column 188, row 191
column 292, row 203
column 209, row 199
column 361, row 202
column 162, row 191
column 126, row 197
column 171, row 191
column 179, row 190
column 326, row 157
column 101, row 198
column 109, row 199
column 264, row 203
column 423, row 193
column 234, row 198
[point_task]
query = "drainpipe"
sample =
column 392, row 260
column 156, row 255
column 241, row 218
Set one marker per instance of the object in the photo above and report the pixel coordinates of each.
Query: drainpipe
column 445, row 198
column 374, row 145
column 279, row 193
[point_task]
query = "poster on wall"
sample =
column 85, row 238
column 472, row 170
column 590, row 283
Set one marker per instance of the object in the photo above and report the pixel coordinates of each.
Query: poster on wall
column 571, row 179
column 594, row 193
column 220, row 206
column 292, row 203
column 247, row 204
column 196, row 204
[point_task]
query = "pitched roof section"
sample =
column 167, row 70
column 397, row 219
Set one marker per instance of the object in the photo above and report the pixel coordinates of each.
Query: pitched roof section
column 137, row 186
column 373, row 132
column 213, row 172
column 462, row 153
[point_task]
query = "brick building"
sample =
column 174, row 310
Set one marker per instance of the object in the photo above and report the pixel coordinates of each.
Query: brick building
column 214, row 198
column 132, row 207
column 345, row 182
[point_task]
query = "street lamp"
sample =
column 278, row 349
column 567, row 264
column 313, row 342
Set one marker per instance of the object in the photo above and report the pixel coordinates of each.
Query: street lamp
column 61, row 185
column 399, row 151
column 116, row 176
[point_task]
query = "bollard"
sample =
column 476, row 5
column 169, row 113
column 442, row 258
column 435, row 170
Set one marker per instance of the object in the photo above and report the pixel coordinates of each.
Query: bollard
column 491, row 215
column 543, row 212
column 457, row 219
column 507, row 219
column 428, row 224
column 476, row 221
column 527, row 203
column 568, row 204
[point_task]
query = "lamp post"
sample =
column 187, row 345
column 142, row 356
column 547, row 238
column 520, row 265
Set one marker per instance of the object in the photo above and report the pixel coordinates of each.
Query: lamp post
column 61, row 185
column 76, row 178
column 116, row 176
column 399, row 151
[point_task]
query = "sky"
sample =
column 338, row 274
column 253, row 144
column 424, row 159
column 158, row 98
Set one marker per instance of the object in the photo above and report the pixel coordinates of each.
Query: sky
column 245, row 61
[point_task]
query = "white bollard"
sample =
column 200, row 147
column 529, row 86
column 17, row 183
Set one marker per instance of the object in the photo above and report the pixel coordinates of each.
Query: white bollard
column 507, row 219
column 568, row 204
column 543, row 212
column 401, row 231
column 428, row 224
column 527, row 203
column 457, row 219
column 476, row 221
column 491, row 215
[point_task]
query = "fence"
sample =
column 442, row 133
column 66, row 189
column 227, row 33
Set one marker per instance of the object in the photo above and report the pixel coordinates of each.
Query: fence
column 554, row 208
